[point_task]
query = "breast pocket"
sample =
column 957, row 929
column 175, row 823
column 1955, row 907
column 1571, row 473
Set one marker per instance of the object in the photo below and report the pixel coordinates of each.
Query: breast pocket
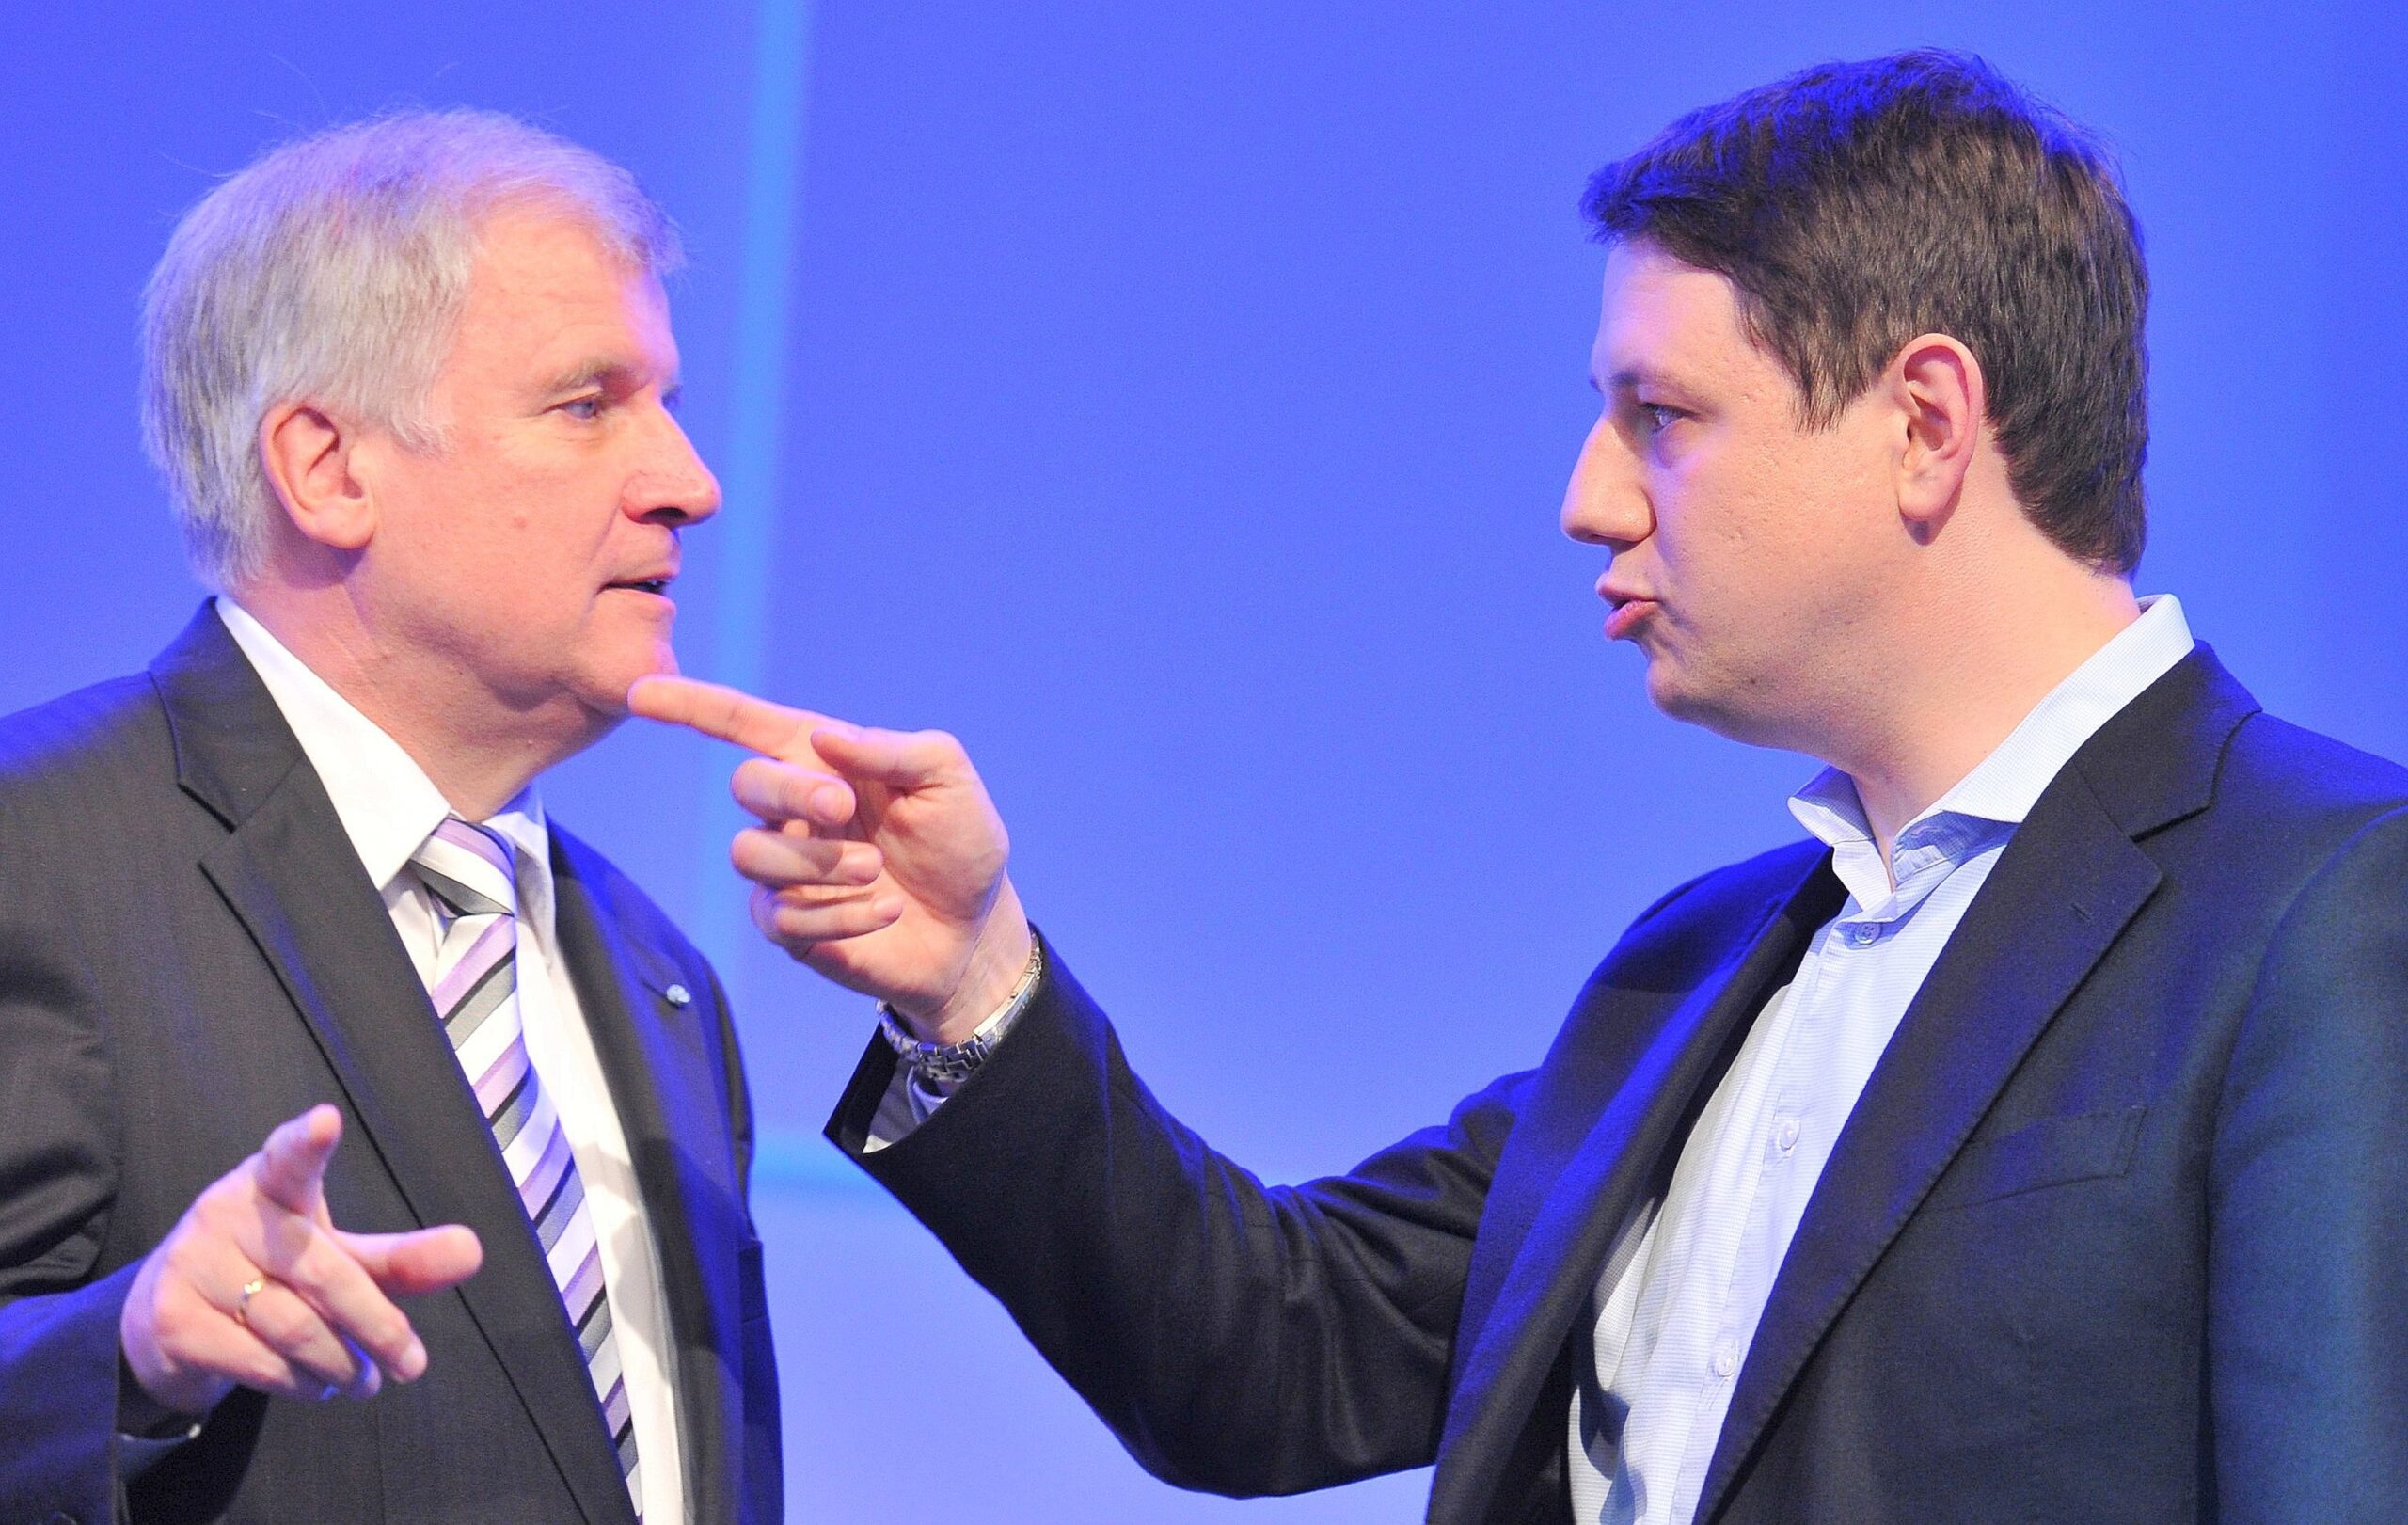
column 2053, row 1151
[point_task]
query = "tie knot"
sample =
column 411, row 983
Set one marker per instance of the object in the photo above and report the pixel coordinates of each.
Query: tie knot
column 469, row 868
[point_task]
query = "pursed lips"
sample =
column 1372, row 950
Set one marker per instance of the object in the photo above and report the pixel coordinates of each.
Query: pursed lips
column 1625, row 608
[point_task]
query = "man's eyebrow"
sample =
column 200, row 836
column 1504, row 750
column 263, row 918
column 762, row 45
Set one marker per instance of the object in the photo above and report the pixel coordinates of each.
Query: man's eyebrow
column 1628, row 378
column 609, row 374
column 584, row 374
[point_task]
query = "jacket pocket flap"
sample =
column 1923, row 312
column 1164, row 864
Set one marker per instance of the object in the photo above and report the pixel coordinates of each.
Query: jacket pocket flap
column 2054, row 1152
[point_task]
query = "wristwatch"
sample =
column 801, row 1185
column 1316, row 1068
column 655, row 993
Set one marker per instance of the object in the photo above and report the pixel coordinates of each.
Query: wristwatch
column 943, row 1066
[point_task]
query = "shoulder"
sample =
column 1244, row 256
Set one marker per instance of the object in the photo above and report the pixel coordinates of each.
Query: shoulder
column 1740, row 888
column 2337, row 816
column 1692, row 927
column 97, row 736
column 2298, row 778
column 2286, row 802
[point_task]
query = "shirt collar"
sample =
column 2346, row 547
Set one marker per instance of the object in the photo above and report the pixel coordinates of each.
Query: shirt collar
column 2003, row 788
column 387, row 803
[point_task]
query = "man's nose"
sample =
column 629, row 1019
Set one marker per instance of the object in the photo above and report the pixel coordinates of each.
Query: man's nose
column 1604, row 504
column 674, row 486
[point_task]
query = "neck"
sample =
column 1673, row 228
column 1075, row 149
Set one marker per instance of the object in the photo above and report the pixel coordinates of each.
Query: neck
column 479, row 751
column 1990, row 651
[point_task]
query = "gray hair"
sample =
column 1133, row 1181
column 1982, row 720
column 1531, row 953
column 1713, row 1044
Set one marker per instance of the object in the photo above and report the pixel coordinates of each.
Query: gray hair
column 333, row 270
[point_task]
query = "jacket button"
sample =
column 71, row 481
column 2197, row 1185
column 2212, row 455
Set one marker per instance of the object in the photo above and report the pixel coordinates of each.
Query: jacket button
column 679, row 996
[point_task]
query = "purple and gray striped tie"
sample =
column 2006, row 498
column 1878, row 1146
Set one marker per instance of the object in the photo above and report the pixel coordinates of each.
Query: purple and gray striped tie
column 468, row 871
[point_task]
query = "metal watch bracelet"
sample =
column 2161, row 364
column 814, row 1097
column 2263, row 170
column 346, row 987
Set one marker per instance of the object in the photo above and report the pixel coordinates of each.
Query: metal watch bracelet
column 950, row 1064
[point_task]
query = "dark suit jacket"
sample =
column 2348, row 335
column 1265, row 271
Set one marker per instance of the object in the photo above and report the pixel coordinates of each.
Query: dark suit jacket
column 2117, row 1231
column 190, row 953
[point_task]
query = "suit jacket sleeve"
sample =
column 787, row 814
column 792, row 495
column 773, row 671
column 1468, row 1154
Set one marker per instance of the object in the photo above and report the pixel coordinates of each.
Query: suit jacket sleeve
column 1238, row 1338
column 2308, row 1337
column 58, row 1326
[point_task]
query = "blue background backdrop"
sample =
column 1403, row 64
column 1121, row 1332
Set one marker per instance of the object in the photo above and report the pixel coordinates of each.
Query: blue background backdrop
column 1174, row 401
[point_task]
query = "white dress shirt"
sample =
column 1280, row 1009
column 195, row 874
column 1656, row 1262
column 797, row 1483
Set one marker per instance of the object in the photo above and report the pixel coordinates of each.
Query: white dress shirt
column 388, row 807
column 1690, row 1274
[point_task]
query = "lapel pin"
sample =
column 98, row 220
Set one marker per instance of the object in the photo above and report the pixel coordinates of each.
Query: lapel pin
column 679, row 996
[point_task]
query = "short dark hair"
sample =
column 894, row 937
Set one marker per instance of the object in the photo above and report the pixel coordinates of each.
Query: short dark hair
column 1857, row 205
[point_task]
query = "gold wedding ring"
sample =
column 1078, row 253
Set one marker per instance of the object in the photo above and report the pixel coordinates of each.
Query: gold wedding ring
column 242, row 1303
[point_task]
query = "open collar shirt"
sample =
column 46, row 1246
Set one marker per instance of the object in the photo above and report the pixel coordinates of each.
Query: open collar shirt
column 1691, row 1270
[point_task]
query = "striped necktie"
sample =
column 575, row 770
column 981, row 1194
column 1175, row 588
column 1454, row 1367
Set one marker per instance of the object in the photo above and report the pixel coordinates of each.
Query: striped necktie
column 468, row 870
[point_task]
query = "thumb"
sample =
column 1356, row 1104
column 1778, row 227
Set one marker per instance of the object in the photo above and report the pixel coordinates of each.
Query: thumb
column 899, row 760
column 291, row 1167
column 424, row 1259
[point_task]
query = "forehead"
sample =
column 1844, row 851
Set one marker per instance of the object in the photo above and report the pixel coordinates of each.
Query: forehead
column 545, row 288
column 1663, row 319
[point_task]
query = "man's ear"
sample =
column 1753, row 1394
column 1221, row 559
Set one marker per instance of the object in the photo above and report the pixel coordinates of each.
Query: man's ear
column 1945, row 406
column 309, row 455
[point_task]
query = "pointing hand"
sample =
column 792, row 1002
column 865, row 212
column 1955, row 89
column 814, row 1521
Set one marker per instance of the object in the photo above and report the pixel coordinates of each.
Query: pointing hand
column 880, row 859
column 255, row 1285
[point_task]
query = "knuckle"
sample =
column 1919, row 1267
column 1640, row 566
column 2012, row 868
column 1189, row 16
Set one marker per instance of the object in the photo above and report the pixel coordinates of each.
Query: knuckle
column 275, row 1318
column 173, row 1320
column 321, row 1264
column 176, row 1251
column 179, row 1275
column 383, row 1330
column 340, row 1364
column 225, row 1193
column 315, row 1363
column 376, row 1324
column 767, row 913
column 285, row 1243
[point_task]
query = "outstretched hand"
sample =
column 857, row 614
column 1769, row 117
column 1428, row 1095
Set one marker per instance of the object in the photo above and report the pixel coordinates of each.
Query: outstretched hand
column 255, row 1285
column 878, row 860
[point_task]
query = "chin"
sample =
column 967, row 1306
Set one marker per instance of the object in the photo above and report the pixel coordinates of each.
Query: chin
column 660, row 661
column 1668, row 693
column 602, row 685
column 1709, row 705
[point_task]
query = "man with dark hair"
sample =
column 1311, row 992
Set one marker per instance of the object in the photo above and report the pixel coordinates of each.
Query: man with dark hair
column 1949, row 201
column 2019, row 1146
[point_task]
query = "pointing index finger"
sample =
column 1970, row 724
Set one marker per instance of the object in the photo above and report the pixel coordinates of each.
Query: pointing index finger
column 729, row 714
column 291, row 1167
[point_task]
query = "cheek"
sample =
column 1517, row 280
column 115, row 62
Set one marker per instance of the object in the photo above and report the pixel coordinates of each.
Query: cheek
column 516, row 553
column 473, row 523
column 1714, row 516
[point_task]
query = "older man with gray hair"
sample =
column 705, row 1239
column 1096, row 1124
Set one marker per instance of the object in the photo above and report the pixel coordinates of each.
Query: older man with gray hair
column 411, row 385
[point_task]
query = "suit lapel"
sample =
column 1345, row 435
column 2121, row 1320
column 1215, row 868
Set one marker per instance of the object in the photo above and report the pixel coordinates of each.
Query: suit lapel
column 287, row 872
column 2065, row 889
column 1559, row 1240
column 660, row 1069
